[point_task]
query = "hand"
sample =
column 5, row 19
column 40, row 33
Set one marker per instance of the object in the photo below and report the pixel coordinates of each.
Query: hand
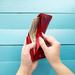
column 52, row 52
column 27, row 66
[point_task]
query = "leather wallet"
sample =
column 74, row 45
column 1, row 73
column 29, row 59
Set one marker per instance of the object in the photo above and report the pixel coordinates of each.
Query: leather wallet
column 36, row 30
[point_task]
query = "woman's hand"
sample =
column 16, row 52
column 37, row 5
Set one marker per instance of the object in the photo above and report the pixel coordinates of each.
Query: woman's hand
column 27, row 66
column 52, row 54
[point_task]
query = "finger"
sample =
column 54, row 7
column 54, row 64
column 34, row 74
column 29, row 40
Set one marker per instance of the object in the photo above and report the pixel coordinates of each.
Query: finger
column 50, row 39
column 42, row 44
column 31, row 45
column 26, row 48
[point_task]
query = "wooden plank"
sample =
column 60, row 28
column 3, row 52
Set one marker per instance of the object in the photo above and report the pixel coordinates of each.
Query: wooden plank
column 38, row 6
column 10, row 53
column 11, row 37
column 24, row 21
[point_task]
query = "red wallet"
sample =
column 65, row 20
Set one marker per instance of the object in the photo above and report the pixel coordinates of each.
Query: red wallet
column 37, row 53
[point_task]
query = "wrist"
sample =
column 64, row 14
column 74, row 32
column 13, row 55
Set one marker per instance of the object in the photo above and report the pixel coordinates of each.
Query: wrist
column 23, row 71
column 61, row 69
column 56, row 64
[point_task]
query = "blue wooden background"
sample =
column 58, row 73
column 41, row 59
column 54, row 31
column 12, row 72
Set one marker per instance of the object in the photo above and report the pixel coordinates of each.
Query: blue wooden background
column 15, row 20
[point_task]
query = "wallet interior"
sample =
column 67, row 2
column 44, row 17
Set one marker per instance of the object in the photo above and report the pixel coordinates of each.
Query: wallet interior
column 33, row 29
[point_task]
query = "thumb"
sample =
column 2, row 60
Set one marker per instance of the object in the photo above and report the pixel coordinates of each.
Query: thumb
column 31, row 45
column 27, row 48
column 42, row 44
